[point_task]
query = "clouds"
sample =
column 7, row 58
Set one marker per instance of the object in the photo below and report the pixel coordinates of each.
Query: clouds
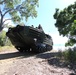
column 58, row 39
column 65, row 3
column 8, row 23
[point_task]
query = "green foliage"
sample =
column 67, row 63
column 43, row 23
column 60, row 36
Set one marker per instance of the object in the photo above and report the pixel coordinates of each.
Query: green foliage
column 60, row 54
column 3, row 39
column 7, row 42
column 18, row 10
column 70, row 55
column 66, row 23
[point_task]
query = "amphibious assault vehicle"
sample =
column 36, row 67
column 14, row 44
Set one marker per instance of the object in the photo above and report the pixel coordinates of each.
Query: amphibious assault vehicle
column 29, row 38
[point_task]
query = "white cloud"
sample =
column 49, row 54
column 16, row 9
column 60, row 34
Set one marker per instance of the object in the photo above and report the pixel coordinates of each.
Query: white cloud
column 9, row 22
column 58, row 39
column 65, row 3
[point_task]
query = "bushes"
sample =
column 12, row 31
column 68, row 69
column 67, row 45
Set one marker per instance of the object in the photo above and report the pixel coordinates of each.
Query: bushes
column 70, row 55
column 3, row 39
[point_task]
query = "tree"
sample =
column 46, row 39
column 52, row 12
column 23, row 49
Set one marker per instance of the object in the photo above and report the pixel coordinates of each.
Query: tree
column 17, row 9
column 66, row 23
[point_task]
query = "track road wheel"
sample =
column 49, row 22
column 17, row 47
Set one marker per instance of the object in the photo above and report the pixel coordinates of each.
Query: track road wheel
column 42, row 49
column 48, row 48
column 20, row 49
column 39, row 49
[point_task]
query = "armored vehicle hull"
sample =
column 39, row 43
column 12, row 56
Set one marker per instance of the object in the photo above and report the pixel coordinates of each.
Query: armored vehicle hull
column 27, row 38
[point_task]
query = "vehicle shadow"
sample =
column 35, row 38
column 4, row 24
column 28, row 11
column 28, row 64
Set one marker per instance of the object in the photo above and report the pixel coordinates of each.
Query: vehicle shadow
column 53, row 59
column 16, row 54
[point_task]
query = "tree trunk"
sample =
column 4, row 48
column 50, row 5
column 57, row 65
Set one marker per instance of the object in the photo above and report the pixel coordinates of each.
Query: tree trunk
column 1, row 27
column 1, row 23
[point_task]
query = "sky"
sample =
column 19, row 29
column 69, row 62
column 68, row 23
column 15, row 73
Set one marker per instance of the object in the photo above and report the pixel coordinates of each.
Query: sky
column 45, row 13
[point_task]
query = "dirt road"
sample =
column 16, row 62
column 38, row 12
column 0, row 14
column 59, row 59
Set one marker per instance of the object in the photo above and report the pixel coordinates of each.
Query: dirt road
column 14, row 63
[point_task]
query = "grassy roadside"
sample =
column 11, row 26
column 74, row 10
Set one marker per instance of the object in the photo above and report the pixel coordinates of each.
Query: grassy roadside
column 68, row 55
column 6, row 48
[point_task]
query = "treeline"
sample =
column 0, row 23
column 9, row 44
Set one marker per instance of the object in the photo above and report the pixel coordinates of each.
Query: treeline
column 4, row 40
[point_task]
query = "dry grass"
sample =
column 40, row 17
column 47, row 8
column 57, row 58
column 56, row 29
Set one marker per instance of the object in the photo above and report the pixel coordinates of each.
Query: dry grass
column 6, row 48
